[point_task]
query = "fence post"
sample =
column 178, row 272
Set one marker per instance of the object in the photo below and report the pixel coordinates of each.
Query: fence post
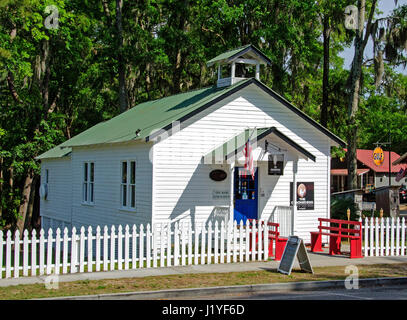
column 112, row 247
column 105, row 248
column 209, row 251
column 126, row 247
column 266, row 240
column 148, row 245
column 25, row 253
column 16, row 254
column 183, row 244
column 241, row 241
column 97, row 243
column 82, row 250
column 169, row 244
column 33, row 253
column 392, row 237
column 228, row 240
column 398, row 236
column 90, row 250
column 203, row 235
column 253, row 248
column 222, row 241
column 247, row 240
column 234, row 247
column 260, row 240
column 366, row 229
column 8, row 254
column 57, row 251
column 189, row 244
column 134, row 246
column 120, row 248
column 141, row 247
column 74, row 255
column 65, row 251
column 154, row 244
column 381, row 237
column 376, row 237
column 162, row 245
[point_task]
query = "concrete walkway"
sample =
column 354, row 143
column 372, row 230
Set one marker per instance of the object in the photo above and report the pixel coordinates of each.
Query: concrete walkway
column 317, row 260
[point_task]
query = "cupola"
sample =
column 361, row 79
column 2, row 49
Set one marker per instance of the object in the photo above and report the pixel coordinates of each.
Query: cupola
column 238, row 64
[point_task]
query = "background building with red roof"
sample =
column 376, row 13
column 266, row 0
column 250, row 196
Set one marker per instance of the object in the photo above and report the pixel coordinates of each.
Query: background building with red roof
column 369, row 174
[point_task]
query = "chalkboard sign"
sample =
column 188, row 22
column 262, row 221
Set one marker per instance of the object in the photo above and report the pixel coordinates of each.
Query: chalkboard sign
column 294, row 247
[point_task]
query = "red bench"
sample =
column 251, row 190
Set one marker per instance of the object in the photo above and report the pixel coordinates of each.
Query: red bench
column 274, row 236
column 336, row 234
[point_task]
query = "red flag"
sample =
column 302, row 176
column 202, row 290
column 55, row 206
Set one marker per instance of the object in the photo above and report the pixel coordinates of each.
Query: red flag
column 248, row 164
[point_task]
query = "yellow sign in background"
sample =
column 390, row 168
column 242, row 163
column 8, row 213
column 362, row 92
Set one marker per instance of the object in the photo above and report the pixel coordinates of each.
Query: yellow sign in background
column 378, row 156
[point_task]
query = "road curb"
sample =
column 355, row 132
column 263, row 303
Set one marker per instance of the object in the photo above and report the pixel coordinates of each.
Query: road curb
column 256, row 288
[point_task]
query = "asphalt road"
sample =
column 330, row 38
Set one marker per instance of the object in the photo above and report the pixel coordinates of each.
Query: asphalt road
column 377, row 293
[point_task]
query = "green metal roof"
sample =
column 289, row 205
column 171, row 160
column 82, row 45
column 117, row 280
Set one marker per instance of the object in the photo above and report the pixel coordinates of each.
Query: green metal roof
column 231, row 54
column 147, row 117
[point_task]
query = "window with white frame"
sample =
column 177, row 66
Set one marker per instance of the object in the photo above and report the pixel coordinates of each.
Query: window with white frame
column 128, row 184
column 88, row 183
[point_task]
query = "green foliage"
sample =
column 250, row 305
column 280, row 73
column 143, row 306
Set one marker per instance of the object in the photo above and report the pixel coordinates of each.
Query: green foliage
column 340, row 206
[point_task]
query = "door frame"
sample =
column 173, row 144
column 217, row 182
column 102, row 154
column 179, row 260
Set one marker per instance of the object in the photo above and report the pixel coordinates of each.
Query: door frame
column 235, row 180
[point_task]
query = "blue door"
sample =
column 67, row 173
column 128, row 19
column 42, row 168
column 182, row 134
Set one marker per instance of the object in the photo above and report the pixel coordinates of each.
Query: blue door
column 245, row 195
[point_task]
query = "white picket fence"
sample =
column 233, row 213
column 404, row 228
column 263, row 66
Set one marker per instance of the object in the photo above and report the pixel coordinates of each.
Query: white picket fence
column 126, row 248
column 384, row 237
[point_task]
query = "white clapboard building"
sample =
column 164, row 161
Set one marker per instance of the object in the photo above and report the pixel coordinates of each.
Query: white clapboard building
column 181, row 158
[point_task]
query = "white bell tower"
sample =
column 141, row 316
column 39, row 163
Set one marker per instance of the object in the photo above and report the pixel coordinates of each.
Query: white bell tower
column 241, row 63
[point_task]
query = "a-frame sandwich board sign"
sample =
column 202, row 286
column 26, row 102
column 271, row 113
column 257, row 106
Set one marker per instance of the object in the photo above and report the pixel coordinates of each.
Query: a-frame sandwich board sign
column 294, row 247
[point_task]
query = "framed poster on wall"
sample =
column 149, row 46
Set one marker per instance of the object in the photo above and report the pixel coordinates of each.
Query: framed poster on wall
column 276, row 165
column 305, row 195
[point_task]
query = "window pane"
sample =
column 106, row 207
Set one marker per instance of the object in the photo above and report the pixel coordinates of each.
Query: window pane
column 133, row 172
column 46, row 176
column 85, row 192
column 124, row 172
column 124, row 195
column 133, row 196
column 91, row 192
column 85, row 172
column 92, row 172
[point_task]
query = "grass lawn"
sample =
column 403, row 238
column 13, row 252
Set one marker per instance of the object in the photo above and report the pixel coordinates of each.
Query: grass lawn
column 194, row 281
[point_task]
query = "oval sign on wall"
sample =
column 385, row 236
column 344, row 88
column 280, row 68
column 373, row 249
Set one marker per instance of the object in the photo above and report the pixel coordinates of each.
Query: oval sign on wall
column 378, row 156
column 218, row 175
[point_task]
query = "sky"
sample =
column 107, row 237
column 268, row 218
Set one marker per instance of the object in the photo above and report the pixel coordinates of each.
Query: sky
column 386, row 6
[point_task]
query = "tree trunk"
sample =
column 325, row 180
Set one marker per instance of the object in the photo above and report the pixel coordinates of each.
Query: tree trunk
column 1, row 186
column 29, row 216
column 354, row 89
column 22, row 211
column 120, row 58
column 325, row 78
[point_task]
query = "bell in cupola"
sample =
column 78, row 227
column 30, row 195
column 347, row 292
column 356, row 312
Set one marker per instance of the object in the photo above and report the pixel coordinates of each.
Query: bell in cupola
column 239, row 64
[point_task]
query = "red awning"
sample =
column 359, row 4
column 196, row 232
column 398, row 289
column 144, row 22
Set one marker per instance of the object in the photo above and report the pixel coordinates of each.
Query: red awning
column 344, row 172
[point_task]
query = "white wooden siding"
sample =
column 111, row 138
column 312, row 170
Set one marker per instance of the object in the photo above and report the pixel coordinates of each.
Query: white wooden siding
column 182, row 187
column 56, row 210
column 106, row 209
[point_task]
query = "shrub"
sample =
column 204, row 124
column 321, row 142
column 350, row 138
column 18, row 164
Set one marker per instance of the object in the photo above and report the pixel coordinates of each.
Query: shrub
column 340, row 206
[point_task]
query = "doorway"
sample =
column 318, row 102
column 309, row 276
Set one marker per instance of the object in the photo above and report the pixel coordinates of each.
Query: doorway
column 245, row 195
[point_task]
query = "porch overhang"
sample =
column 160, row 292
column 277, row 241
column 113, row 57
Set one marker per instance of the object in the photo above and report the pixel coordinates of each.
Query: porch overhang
column 230, row 149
